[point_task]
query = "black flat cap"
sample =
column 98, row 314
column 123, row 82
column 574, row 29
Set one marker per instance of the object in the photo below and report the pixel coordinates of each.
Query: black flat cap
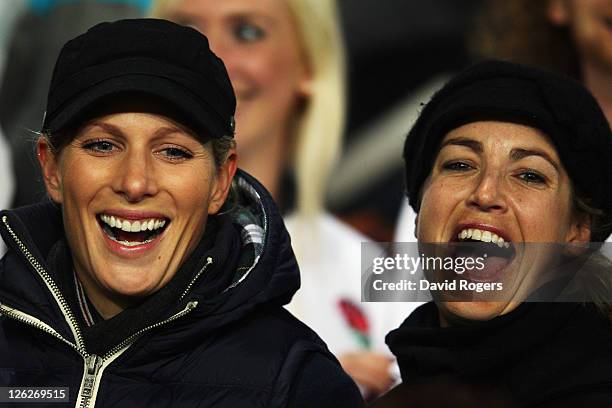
column 157, row 58
column 557, row 105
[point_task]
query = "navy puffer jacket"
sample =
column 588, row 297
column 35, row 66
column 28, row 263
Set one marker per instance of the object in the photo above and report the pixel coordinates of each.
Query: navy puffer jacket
column 233, row 347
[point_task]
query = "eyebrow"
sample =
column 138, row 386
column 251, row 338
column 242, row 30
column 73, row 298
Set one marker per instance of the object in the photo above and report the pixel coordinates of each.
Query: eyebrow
column 117, row 132
column 463, row 141
column 107, row 127
column 518, row 154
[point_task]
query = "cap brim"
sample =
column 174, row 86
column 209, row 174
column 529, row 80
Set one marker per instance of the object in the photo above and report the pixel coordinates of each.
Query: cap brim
column 194, row 111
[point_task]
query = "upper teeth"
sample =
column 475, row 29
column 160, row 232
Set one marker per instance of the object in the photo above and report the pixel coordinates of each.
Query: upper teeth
column 133, row 226
column 482, row 235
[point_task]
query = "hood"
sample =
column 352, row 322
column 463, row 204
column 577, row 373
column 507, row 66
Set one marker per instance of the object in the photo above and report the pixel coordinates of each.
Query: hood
column 261, row 265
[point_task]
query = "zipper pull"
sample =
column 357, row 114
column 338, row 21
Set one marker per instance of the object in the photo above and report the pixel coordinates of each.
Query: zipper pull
column 92, row 367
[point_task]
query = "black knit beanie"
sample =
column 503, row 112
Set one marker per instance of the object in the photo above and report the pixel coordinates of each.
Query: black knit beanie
column 555, row 104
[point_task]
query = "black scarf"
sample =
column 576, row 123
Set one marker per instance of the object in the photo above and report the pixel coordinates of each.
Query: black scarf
column 532, row 354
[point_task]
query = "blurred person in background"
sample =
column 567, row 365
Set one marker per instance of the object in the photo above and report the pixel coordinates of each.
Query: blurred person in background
column 285, row 59
column 569, row 36
column 38, row 33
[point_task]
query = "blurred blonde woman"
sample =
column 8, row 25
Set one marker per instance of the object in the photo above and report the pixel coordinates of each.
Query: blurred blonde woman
column 286, row 63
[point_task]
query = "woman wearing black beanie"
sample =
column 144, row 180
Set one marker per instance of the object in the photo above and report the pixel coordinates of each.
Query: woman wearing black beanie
column 514, row 162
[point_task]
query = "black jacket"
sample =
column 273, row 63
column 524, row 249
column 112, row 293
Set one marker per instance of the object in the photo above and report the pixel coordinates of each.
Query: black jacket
column 215, row 336
column 539, row 355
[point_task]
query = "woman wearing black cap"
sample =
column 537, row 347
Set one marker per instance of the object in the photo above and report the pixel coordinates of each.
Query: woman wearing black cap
column 142, row 283
column 513, row 162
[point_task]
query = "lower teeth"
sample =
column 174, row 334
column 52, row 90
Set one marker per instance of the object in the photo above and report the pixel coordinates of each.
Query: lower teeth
column 131, row 244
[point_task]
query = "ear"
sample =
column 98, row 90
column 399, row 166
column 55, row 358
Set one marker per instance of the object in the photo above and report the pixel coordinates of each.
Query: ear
column 579, row 234
column 49, row 166
column 304, row 85
column 225, row 175
column 557, row 12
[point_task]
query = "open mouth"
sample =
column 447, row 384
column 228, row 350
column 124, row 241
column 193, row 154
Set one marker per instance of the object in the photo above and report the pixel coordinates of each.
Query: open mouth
column 131, row 233
column 493, row 252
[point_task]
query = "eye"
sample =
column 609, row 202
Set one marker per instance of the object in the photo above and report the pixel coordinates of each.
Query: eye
column 176, row 153
column 532, row 177
column 248, row 33
column 457, row 166
column 99, row 146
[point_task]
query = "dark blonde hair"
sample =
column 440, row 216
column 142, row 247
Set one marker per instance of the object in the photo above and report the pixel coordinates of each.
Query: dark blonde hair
column 520, row 31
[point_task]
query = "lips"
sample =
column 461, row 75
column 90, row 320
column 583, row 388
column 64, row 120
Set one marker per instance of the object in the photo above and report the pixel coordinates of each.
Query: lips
column 132, row 231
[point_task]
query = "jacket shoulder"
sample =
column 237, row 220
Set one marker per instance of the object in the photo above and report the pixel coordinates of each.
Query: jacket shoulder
column 263, row 348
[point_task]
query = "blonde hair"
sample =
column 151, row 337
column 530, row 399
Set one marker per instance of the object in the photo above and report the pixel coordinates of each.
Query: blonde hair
column 320, row 124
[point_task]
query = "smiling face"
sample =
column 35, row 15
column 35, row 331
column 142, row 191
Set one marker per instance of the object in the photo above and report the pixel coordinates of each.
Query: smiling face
column 136, row 190
column 499, row 180
column 590, row 22
column 259, row 44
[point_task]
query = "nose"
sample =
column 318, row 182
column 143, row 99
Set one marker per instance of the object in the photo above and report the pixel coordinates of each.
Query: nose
column 487, row 194
column 134, row 178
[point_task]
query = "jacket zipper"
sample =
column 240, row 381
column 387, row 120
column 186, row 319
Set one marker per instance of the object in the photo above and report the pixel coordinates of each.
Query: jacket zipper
column 209, row 262
column 59, row 298
column 94, row 365
column 32, row 321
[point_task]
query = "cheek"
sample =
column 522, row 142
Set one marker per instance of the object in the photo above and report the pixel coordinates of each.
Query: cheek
column 543, row 219
column 191, row 189
column 80, row 181
column 438, row 201
column 274, row 71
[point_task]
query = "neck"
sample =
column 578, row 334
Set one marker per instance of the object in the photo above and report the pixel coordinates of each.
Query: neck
column 598, row 80
column 107, row 305
column 266, row 161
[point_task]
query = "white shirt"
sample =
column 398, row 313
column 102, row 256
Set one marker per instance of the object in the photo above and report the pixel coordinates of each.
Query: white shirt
column 7, row 181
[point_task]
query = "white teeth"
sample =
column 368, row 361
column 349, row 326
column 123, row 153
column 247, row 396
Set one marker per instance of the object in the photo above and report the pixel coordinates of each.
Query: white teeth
column 132, row 226
column 484, row 236
column 131, row 244
column 135, row 226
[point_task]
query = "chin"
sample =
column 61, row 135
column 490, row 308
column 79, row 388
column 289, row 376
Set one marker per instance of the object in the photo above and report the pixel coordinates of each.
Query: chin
column 134, row 287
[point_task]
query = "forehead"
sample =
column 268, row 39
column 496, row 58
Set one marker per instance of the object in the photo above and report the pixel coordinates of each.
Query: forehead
column 276, row 9
column 502, row 136
column 142, row 109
